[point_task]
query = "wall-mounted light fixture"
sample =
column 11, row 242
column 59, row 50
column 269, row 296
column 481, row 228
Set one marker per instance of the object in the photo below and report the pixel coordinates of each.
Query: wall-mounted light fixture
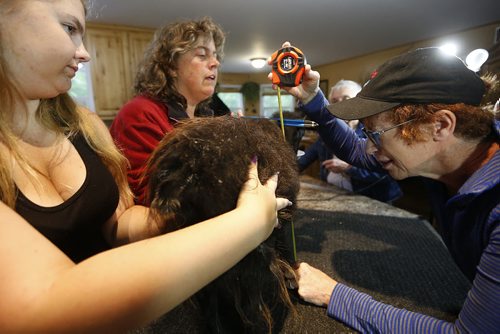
column 258, row 62
column 476, row 58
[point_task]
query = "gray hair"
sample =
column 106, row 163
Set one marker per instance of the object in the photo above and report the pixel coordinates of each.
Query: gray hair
column 352, row 85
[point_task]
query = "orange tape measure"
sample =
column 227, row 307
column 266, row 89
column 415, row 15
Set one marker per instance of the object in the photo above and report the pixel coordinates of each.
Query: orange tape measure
column 288, row 66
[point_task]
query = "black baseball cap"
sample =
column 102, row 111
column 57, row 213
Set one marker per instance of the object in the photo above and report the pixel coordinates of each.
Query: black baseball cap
column 422, row 76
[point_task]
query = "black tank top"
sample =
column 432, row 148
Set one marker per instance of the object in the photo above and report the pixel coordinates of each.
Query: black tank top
column 75, row 226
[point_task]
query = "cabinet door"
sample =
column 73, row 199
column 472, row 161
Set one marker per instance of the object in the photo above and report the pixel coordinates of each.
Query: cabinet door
column 137, row 43
column 109, row 66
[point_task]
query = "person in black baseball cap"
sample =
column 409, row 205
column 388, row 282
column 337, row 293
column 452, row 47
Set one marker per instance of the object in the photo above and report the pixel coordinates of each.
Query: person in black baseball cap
column 422, row 117
column 423, row 76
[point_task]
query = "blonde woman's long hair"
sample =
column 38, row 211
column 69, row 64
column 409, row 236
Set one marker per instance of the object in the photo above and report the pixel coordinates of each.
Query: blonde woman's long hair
column 59, row 114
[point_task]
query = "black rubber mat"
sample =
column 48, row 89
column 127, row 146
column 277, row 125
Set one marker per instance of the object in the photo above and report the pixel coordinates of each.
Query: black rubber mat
column 399, row 261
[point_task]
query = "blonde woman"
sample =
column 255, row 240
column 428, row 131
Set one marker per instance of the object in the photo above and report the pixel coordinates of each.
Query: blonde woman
column 63, row 186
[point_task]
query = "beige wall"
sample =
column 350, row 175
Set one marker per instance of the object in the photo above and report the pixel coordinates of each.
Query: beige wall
column 131, row 42
column 359, row 68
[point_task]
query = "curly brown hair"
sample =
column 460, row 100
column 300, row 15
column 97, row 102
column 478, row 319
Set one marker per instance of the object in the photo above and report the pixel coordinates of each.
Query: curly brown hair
column 196, row 173
column 154, row 75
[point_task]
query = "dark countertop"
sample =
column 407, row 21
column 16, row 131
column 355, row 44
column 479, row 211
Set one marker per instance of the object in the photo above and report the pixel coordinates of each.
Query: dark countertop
column 318, row 195
column 389, row 253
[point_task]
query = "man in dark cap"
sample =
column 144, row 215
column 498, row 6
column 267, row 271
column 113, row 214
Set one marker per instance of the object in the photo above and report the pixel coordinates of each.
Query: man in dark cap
column 422, row 118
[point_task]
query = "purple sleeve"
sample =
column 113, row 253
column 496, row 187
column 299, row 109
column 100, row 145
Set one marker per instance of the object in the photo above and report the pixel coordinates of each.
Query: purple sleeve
column 338, row 136
column 479, row 314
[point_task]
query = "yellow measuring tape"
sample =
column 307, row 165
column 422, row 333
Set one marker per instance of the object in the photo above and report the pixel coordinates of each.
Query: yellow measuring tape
column 284, row 137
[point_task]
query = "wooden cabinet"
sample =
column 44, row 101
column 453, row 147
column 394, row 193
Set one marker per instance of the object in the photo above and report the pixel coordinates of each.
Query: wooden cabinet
column 115, row 52
column 137, row 44
column 109, row 70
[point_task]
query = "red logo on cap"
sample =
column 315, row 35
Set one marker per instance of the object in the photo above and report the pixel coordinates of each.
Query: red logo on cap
column 374, row 74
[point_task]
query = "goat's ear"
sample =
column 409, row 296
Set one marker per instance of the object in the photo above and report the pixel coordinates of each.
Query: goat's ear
column 164, row 211
column 163, row 207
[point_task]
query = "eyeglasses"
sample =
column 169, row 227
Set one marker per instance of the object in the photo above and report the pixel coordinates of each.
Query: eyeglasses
column 374, row 136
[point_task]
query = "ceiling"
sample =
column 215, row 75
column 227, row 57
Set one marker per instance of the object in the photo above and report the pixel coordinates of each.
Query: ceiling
column 325, row 30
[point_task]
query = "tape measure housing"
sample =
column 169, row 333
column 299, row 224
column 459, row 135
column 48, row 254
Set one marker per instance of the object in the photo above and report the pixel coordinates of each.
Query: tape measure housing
column 288, row 66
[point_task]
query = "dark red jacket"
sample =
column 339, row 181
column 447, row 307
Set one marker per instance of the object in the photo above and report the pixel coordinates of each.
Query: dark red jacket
column 137, row 129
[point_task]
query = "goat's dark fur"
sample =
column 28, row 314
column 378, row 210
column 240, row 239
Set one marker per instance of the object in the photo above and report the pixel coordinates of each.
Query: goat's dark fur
column 196, row 173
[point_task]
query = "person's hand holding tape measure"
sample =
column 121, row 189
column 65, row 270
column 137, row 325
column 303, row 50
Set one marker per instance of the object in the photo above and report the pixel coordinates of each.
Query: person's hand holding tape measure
column 307, row 85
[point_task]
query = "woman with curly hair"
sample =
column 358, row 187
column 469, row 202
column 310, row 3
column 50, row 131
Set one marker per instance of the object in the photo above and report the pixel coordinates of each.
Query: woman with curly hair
column 175, row 81
column 251, row 297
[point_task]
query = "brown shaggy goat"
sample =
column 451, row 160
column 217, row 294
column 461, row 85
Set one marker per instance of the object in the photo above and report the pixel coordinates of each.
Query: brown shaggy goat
column 196, row 173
